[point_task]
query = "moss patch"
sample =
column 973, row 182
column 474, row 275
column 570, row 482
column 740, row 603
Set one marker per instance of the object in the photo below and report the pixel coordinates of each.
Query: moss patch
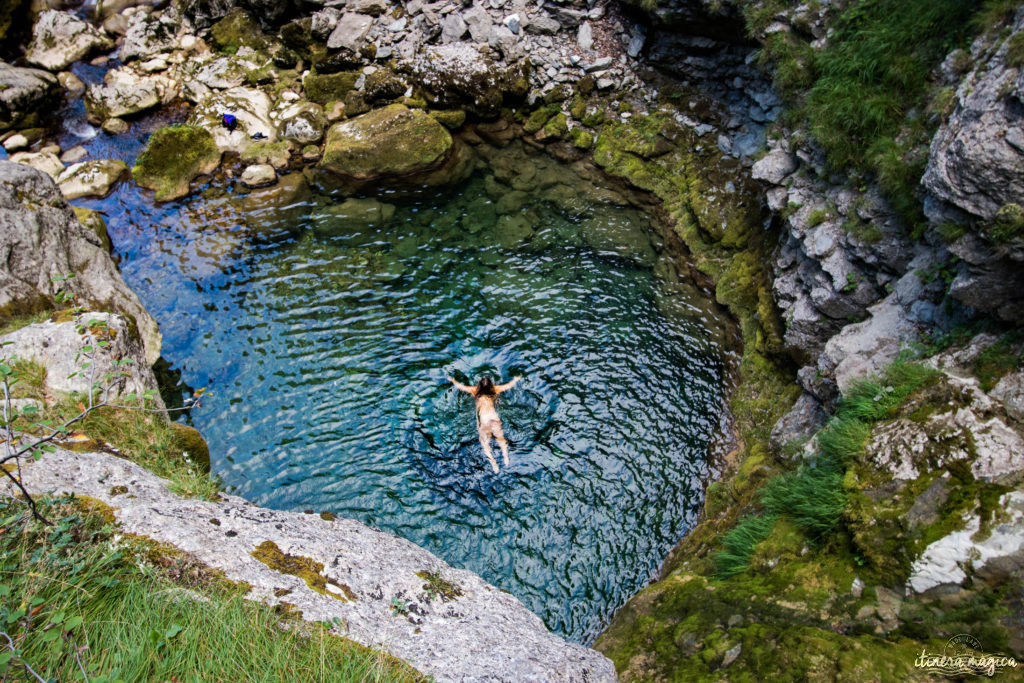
column 173, row 157
column 307, row 569
column 438, row 586
column 324, row 88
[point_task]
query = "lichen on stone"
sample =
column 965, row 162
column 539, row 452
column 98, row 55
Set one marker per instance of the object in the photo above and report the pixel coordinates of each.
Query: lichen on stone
column 306, row 568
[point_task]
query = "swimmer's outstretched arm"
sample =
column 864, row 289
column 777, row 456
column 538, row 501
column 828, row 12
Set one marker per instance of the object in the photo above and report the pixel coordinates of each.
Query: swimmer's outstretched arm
column 507, row 385
column 462, row 387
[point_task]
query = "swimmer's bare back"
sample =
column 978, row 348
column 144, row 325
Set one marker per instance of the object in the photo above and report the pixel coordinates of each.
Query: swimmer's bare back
column 488, row 424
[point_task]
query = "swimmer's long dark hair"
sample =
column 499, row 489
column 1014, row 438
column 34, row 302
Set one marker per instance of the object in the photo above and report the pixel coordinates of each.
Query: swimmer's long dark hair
column 485, row 387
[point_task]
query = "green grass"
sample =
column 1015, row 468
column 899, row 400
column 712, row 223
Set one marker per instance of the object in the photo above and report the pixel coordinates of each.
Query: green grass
column 862, row 95
column 812, row 496
column 70, row 589
column 998, row 360
column 145, row 438
column 28, row 379
column 738, row 545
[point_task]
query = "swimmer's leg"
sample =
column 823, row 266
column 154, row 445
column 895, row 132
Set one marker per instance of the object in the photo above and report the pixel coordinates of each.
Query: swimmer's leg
column 485, row 441
column 500, row 436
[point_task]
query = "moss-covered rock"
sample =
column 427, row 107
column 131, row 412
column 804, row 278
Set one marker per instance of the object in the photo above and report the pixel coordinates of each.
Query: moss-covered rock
column 452, row 119
column 536, row 120
column 582, row 139
column 189, row 441
column 557, row 127
column 392, row 141
column 173, row 157
column 94, row 221
column 277, row 154
column 324, row 88
column 458, row 75
column 236, row 29
column 384, row 85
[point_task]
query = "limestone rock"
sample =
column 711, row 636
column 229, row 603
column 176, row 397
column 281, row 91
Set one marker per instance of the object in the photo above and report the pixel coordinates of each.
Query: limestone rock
column 947, row 560
column 802, row 421
column 24, row 91
column 459, row 76
column 473, row 636
column 976, row 156
column 774, row 166
column 43, row 239
column 60, row 38
column 150, row 34
column 249, row 106
column 174, row 156
column 302, row 122
column 258, row 175
column 57, row 346
column 350, row 31
column 990, row 277
column 91, row 178
column 122, row 93
column 1010, row 392
column 392, row 141
column 45, row 162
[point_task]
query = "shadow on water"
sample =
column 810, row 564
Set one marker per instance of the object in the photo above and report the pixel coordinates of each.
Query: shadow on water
column 325, row 331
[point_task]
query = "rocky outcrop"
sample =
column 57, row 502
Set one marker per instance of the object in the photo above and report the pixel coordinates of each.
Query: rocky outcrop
column 381, row 591
column 251, row 109
column 42, row 240
column 459, row 76
column 976, row 156
column 60, row 347
column 151, row 33
column 60, row 38
column 24, row 91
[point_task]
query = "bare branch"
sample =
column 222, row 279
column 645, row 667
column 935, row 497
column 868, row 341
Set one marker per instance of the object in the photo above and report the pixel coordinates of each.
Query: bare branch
column 10, row 645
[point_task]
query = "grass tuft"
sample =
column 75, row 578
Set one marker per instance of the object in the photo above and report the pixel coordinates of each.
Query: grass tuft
column 738, row 545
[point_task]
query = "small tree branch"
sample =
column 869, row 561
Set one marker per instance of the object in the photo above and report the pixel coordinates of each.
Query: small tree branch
column 10, row 646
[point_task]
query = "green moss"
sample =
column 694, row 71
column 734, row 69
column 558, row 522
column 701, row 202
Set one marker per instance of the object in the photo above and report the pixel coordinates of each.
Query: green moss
column 537, row 119
column 173, row 157
column 582, row 139
column 556, row 126
column 438, row 586
column 94, row 221
column 235, row 30
column 999, row 359
column 323, row 88
column 452, row 119
column 307, row 569
column 1008, row 222
column 276, row 154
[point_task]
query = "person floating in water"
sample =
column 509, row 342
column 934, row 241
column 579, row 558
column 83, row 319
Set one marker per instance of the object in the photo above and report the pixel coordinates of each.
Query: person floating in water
column 488, row 424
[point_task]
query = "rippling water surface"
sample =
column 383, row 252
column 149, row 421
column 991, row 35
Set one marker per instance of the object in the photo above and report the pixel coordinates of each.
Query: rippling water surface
column 325, row 332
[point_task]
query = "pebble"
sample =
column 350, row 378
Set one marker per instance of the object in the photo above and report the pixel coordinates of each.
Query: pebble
column 74, row 155
column 115, row 126
column 512, row 23
column 16, row 142
column 258, row 175
column 50, row 149
column 599, row 64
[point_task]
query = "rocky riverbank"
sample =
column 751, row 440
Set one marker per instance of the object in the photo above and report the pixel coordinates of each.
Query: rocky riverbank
column 833, row 272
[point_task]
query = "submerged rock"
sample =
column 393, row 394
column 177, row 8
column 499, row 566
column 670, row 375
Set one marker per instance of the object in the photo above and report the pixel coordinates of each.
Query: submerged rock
column 91, row 178
column 43, row 239
column 258, row 175
column 174, row 156
column 24, row 91
column 60, row 38
column 388, row 142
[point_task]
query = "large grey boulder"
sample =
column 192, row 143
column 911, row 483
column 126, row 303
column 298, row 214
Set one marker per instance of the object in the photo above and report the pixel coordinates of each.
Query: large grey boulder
column 123, row 93
column 350, row 31
column 458, row 75
column 150, row 34
column 977, row 155
column 475, row 633
column 250, row 106
column 24, row 91
column 60, row 38
column 60, row 348
column 41, row 239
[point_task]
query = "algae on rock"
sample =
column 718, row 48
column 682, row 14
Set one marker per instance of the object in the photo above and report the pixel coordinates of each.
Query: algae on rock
column 173, row 157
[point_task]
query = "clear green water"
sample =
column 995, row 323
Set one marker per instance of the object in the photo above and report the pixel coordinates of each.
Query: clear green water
column 325, row 338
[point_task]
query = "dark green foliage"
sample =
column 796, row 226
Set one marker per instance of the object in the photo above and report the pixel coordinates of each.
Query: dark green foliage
column 738, row 545
column 1008, row 223
column 1015, row 50
column 994, row 14
column 812, row 497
